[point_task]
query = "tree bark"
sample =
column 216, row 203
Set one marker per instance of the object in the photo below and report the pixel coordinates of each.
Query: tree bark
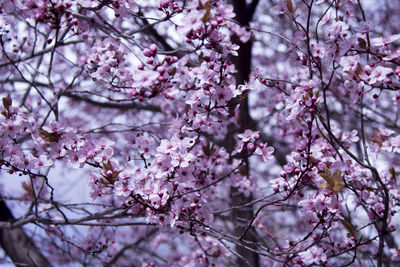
column 17, row 244
column 242, row 62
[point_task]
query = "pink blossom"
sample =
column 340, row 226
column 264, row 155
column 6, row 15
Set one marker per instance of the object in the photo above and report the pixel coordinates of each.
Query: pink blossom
column 378, row 74
column 266, row 152
column 349, row 63
column 382, row 41
column 144, row 78
column 313, row 255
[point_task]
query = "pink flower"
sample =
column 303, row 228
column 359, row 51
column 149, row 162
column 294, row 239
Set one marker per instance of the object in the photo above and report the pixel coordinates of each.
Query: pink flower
column 192, row 21
column 121, row 189
column 166, row 146
column 379, row 74
column 144, row 78
column 222, row 95
column 382, row 41
column 76, row 159
column 337, row 28
column 265, row 151
column 312, row 255
column 44, row 161
column 181, row 159
column 349, row 63
column 351, row 137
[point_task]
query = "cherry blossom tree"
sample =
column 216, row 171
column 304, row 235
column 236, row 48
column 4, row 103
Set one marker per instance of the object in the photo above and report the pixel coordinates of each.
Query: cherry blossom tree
column 208, row 132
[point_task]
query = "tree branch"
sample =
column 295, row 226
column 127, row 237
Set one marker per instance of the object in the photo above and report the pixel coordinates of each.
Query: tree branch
column 113, row 105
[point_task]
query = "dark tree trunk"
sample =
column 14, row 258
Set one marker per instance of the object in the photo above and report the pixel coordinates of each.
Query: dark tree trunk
column 17, row 244
column 243, row 216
